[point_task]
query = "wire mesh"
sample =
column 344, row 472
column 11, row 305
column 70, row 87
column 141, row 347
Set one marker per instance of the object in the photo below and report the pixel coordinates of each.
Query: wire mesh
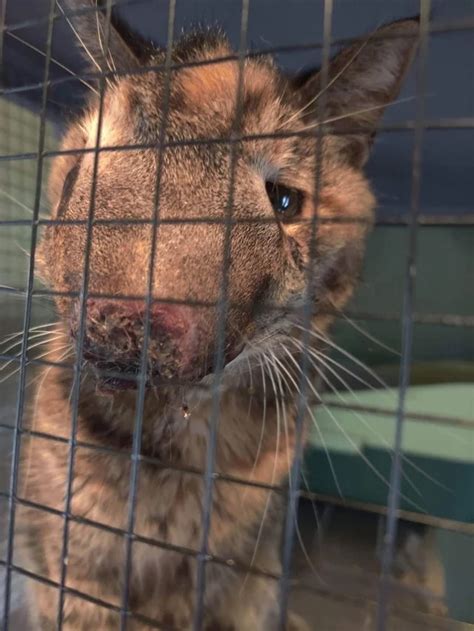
column 134, row 453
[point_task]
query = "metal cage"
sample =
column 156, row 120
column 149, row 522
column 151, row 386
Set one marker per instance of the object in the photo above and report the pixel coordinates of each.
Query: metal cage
column 56, row 80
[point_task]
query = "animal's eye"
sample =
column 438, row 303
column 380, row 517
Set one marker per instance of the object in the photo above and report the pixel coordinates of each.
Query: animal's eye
column 287, row 202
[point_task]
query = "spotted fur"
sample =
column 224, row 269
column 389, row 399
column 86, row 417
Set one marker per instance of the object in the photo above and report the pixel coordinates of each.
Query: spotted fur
column 269, row 268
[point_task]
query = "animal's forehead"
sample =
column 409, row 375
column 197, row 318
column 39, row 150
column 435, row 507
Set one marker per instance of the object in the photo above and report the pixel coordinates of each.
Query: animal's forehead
column 219, row 82
column 206, row 99
column 202, row 104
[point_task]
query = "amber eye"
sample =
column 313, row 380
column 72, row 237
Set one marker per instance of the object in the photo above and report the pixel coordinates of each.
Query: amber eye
column 287, row 202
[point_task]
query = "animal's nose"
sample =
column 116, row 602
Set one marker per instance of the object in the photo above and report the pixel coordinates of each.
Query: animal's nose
column 115, row 331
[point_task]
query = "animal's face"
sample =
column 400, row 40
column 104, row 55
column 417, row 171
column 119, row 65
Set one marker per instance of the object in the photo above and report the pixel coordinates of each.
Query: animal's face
column 234, row 220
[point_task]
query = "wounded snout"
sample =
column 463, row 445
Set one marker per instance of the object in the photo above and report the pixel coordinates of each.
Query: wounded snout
column 178, row 343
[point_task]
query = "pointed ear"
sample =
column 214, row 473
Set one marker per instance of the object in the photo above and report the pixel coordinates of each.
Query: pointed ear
column 102, row 45
column 362, row 80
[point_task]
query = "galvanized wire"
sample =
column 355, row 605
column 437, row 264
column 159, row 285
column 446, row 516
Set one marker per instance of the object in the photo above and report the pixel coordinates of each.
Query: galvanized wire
column 292, row 492
column 388, row 548
column 20, row 408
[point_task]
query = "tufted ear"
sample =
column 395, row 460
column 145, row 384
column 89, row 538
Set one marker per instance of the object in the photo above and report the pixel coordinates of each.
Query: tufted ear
column 104, row 47
column 362, row 80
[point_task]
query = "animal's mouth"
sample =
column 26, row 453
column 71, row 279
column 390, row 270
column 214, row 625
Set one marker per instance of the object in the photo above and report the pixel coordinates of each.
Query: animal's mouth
column 112, row 377
column 179, row 350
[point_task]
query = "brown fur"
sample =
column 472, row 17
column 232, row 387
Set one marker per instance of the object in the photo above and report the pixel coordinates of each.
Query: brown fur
column 269, row 264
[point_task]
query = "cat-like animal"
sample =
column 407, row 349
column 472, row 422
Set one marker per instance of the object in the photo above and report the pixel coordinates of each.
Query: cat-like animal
column 228, row 159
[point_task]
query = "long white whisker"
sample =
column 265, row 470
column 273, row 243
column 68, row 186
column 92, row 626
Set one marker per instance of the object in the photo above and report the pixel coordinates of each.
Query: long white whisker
column 54, row 61
column 285, row 425
column 361, row 418
column 41, row 343
column 381, row 438
column 284, row 371
column 368, row 335
column 78, row 36
column 11, row 336
column 31, row 337
column 319, row 355
column 18, row 203
column 17, row 370
column 324, row 360
column 22, row 249
column 267, row 503
column 318, row 335
column 331, row 82
column 262, row 430
column 108, row 58
column 349, row 438
column 315, row 423
column 365, row 110
column 34, row 417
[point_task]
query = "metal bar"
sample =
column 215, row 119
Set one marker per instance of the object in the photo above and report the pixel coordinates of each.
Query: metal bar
column 26, row 326
column 3, row 13
column 449, row 26
column 435, row 621
column 439, row 419
column 393, row 220
column 429, row 520
column 388, row 547
column 222, row 310
column 152, row 460
column 67, row 13
column 293, row 493
column 403, row 126
column 308, row 313
column 137, row 431
column 88, row 597
column 76, row 387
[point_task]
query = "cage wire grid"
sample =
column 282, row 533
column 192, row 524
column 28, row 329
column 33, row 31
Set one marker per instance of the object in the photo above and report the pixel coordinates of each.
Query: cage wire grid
column 411, row 220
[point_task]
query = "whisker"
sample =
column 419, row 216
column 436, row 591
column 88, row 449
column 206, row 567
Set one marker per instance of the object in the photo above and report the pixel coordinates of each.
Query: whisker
column 32, row 328
column 318, row 335
column 41, row 343
column 349, row 438
column 319, row 355
column 43, row 378
column 368, row 335
column 362, row 419
column 54, row 61
column 22, row 249
column 109, row 59
column 324, row 360
column 17, row 370
column 285, row 370
column 267, row 503
column 320, row 434
column 17, row 293
column 331, row 82
column 365, row 110
column 262, row 430
column 30, row 337
column 71, row 25
column 16, row 201
column 285, row 426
